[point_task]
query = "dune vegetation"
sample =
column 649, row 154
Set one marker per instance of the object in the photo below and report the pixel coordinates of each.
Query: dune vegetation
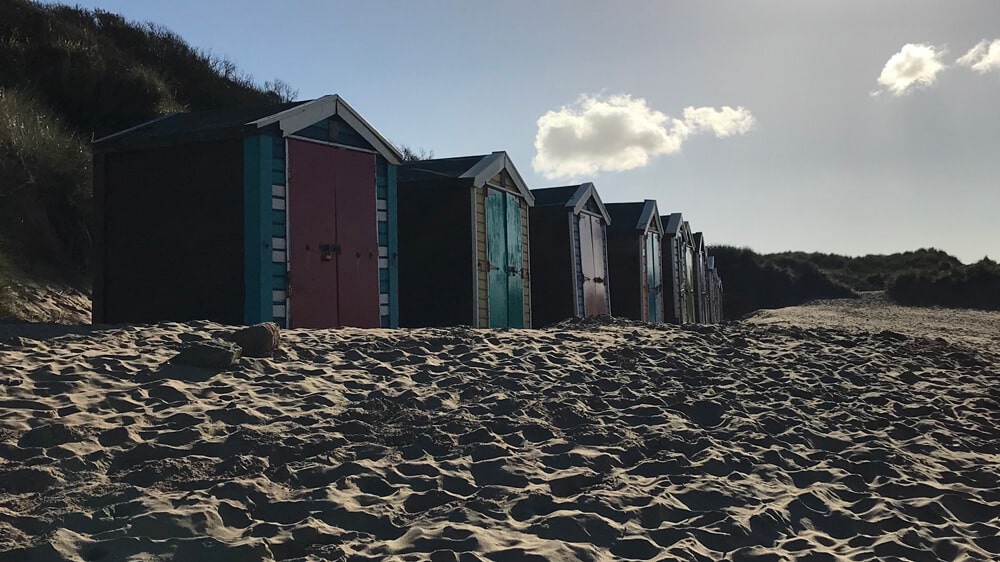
column 68, row 75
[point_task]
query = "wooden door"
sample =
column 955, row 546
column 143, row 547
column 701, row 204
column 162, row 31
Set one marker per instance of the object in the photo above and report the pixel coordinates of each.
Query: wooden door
column 592, row 262
column 504, row 255
column 650, row 277
column 312, row 235
column 656, row 314
column 357, row 235
column 333, row 238
column 688, row 285
column 496, row 256
column 515, row 263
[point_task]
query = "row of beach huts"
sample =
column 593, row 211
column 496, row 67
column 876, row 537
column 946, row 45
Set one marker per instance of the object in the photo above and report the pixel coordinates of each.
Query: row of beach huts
column 303, row 214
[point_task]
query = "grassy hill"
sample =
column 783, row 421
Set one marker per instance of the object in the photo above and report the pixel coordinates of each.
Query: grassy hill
column 925, row 277
column 68, row 75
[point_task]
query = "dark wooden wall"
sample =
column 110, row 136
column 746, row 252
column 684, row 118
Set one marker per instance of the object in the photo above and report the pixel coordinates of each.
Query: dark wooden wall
column 552, row 273
column 171, row 226
column 436, row 269
column 624, row 268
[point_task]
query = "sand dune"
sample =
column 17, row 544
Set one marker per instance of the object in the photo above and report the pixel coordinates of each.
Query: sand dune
column 799, row 435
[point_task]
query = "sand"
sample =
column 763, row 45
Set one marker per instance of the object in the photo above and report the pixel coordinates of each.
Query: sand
column 850, row 430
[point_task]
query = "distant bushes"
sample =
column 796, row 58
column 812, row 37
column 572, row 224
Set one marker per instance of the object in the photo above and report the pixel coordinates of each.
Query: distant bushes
column 874, row 272
column 973, row 286
column 752, row 281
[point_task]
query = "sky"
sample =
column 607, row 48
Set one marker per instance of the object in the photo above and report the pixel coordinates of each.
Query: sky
column 842, row 126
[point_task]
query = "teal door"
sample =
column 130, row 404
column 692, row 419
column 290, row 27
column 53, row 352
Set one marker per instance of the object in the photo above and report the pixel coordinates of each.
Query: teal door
column 503, row 251
column 515, row 269
column 653, row 277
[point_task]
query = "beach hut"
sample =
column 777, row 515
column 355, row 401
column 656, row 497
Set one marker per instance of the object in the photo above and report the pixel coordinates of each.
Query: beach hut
column 284, row 212
column 714, row 291
column 463, row 243
column 700, row 279
column 678, row 270
column 634, row 260
column 569, row 256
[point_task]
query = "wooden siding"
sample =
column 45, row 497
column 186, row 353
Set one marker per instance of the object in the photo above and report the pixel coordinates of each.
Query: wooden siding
column 525, row 260
column 173, row 234
column 482, row 283
column 257, row 238
column 279, row 230
column 436, row 266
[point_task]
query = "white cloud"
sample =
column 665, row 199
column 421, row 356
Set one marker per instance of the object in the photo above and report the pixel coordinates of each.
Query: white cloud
column 914, row 66
column 982, row 58
column 621, row 133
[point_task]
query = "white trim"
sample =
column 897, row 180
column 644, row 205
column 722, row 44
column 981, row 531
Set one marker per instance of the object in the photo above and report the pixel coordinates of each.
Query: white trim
column 383, row 251
column 383, row 299
column 381, row 205
column 383, row 263
column 278, row 311
column 277, row 256
column 474, row 192
column 278, row 190
column 583, row 193
column 277, row 203
column 277, row 296
column 383, row 310
column 334, row 144
column 288, row 237
column 487, row 168
column 301, row 116
column 130, row 129
column 277, row 243
column 382, row 216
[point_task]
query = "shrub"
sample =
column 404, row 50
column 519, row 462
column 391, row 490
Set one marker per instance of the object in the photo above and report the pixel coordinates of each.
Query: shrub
column 45, row 193
column 753, row 281
column 974, row 286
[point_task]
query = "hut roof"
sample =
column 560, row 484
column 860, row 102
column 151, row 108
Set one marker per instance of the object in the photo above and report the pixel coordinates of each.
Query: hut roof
column 571, row 196
column 637, row 216
column 472, row 170
column 699, row 241
column 221, row 123
column 672, row 223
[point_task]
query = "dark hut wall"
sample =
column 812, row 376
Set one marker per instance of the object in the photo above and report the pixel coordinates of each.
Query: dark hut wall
column 625, row 270
column 436, row 268
column 173, row 218
column 552, row 266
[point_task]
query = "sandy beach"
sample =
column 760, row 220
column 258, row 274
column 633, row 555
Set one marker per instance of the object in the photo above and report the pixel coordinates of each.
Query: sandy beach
column 842, row 430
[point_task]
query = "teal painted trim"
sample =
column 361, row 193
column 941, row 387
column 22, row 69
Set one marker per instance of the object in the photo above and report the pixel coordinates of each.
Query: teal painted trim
column 392, row 212
column 256, row 236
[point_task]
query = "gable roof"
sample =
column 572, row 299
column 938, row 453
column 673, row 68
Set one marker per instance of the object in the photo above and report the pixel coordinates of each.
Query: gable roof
column 574, row 197
column 672, row 223
column 220, row 123
column 699, row 241
column 474, row 170
column 636, row 216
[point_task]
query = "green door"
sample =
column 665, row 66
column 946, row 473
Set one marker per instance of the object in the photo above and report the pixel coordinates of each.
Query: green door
column 503, row 251
column 515, row 269
column 496, row 254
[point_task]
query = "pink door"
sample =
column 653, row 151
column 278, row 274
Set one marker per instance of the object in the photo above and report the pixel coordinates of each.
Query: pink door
column 332, row 238
column 357, row 235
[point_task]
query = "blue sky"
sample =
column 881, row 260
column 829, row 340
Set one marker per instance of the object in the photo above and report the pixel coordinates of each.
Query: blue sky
column 816, row 154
